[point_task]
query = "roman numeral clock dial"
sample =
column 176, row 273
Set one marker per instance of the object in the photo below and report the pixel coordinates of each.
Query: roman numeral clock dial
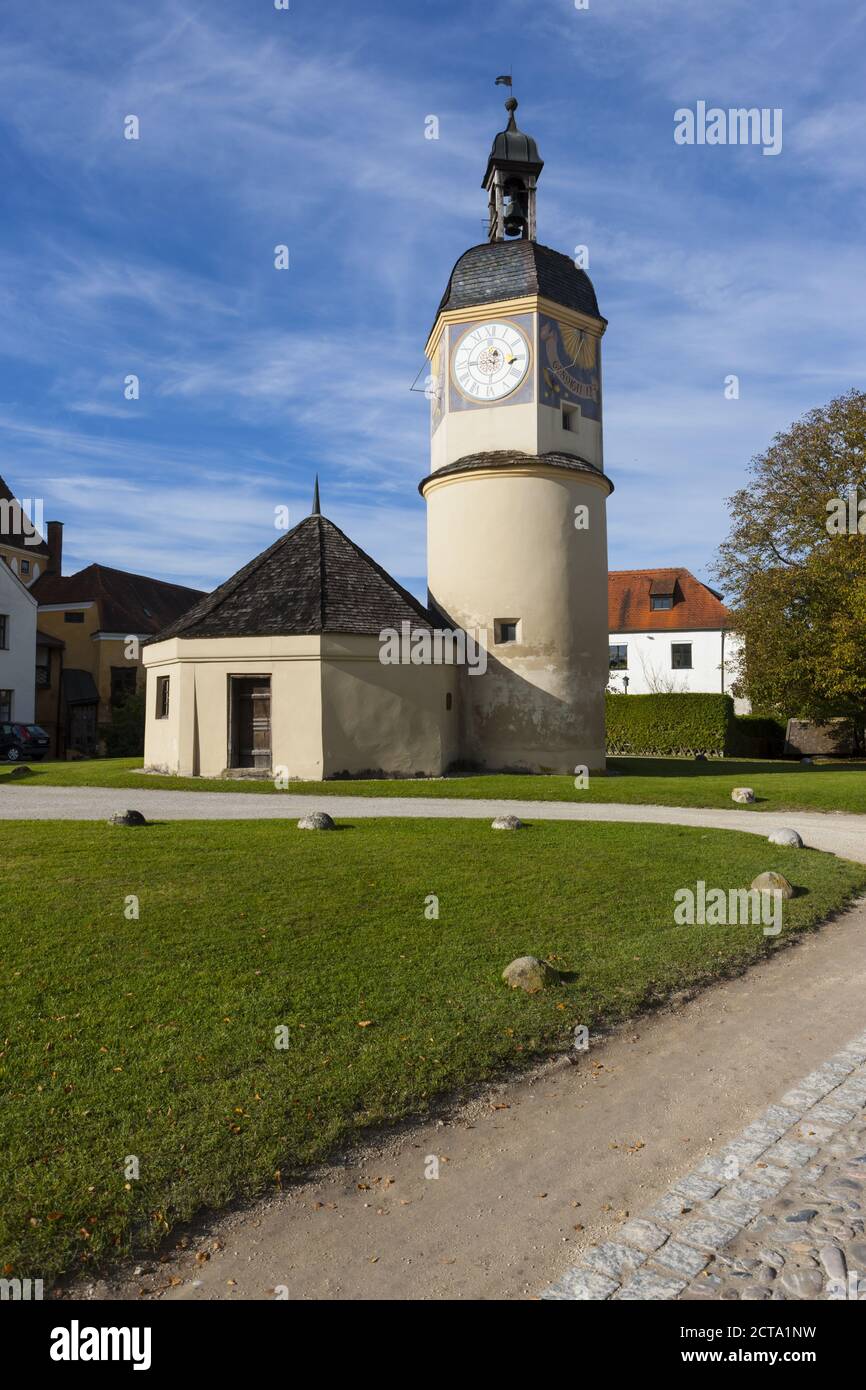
column 490, row 361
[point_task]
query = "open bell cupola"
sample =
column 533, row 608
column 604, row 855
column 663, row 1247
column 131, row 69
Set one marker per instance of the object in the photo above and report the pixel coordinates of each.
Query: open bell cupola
column 510, row 181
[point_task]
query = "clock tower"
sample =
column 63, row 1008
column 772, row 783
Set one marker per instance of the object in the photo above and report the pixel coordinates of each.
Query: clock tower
column 516, row 495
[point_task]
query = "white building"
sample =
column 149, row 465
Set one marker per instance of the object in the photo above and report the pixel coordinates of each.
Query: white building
column 17, row 649
column 669, row 632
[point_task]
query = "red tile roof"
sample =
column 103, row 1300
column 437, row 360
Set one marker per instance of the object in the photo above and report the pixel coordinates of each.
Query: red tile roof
column 696, row 607
column 127, row 602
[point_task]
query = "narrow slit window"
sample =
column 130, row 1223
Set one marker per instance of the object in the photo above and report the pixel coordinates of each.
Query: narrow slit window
column 162, row 697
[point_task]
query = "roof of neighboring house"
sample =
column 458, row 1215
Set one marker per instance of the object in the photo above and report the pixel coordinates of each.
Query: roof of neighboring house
column 78, row 687
column 17, row 536
column 513, row 458
column 516, row 269
column 45, row 639
column 130, row 603
column 695, row 607
column 313, row 579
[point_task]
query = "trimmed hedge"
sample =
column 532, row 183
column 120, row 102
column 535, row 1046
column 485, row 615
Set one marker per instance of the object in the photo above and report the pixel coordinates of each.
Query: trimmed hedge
column 662, row 725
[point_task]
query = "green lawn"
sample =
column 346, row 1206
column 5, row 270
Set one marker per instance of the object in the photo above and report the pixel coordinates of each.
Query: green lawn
column 155, row 1038
column 779, row 786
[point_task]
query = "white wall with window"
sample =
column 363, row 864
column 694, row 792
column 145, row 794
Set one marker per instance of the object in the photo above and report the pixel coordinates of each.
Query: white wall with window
column 17, row 649
column 660, row 662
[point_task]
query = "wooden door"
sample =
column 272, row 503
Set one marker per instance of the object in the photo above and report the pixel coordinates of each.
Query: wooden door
column 250, row 744
column 81, row 729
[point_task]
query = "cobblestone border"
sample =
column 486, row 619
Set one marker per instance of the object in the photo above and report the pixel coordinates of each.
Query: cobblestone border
column 656, row 1255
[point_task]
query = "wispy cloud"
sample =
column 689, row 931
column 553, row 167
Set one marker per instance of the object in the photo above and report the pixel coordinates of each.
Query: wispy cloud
column 155, row 256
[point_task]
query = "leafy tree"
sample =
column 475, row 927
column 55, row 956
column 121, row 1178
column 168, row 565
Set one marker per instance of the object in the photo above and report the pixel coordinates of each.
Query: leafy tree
column 794, row 568
column 124, row 736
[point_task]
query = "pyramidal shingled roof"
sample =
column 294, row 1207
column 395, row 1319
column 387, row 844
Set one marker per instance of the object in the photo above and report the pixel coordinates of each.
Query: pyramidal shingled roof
column 313, row 579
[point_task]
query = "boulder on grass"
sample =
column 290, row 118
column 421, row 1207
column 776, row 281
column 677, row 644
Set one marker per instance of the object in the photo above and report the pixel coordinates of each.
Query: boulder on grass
column 128, row 818
column 530, row 974
column 317, row 820
column 744, row 795
column 18, row 770
column 771, row 882
column 507, row 823
column 786, row 836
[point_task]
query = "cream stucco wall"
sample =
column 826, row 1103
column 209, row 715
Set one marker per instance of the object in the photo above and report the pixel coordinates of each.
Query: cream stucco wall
column 528, row 427
column 334, row 707
column 388, row 718
column 502, row 544
column 193, row 740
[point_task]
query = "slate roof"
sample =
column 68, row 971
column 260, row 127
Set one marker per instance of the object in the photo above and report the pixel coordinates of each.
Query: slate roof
column 511, row 458
column 312, row 580
column 514, row 269
column 17, row 537
column 127, row 602
column 514, row 147
column 696, row 607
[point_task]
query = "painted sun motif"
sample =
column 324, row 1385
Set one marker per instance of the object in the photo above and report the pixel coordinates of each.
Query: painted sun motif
column 580, row 346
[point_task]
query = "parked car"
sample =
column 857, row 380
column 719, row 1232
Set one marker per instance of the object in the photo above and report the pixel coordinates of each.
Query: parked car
column 23, row 741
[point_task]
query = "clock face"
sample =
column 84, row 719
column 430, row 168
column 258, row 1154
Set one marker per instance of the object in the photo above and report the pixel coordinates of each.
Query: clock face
column 490, row 361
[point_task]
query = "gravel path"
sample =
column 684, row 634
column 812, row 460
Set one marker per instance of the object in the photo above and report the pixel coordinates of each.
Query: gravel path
column 841, row 834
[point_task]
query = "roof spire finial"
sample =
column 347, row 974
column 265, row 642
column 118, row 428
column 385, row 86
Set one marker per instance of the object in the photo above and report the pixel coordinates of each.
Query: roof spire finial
column 317, row 509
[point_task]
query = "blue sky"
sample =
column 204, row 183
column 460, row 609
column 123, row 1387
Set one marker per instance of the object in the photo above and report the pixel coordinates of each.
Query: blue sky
column 306, row 127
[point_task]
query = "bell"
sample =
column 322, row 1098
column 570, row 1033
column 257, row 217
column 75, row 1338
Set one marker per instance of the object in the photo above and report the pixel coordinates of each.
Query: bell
column 514, row 218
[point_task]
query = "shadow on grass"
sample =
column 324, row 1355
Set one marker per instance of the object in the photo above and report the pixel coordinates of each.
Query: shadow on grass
column 722, row 767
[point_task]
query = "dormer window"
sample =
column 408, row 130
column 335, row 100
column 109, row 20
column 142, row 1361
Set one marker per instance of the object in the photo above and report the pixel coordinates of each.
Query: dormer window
column 662, row 592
